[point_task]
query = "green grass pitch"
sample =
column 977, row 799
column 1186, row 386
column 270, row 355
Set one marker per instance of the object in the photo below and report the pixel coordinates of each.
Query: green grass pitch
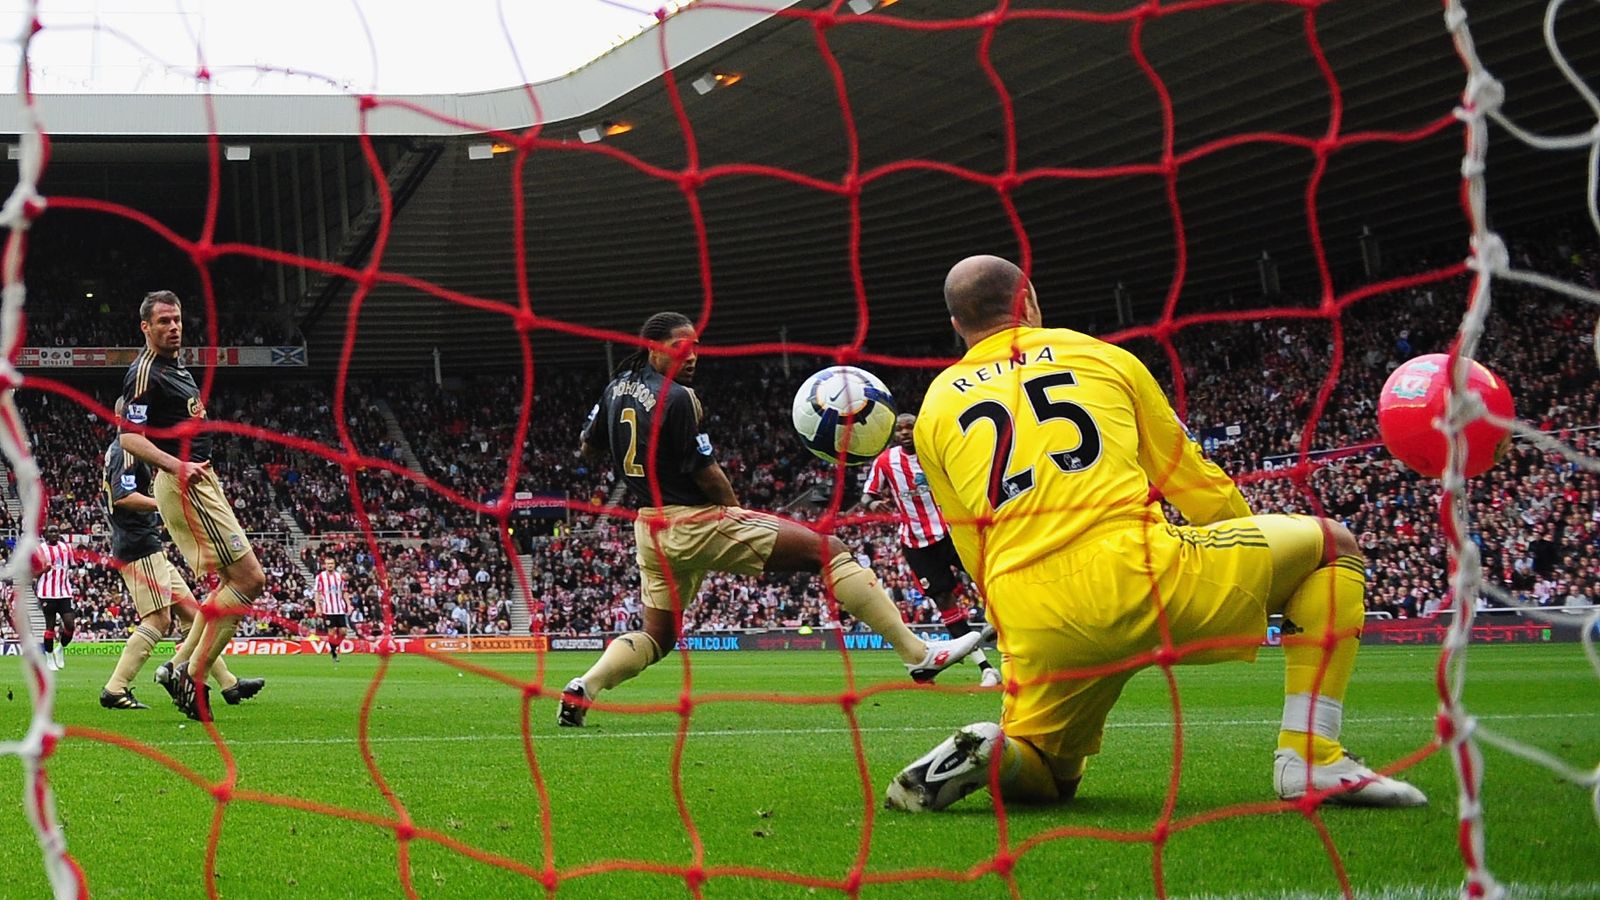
column 774, row 786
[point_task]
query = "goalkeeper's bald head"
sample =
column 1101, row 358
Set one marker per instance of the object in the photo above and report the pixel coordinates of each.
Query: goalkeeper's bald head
column 985, row 294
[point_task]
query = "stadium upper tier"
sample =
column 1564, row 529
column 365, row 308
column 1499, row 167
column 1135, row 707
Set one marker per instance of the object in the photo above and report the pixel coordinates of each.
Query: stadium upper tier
column 919, row 155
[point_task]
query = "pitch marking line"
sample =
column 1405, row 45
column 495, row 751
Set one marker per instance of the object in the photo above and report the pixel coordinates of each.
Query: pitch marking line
column 596, row 735
column 1527, row 891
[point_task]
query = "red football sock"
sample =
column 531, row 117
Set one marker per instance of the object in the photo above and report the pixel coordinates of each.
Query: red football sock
column 955, row 619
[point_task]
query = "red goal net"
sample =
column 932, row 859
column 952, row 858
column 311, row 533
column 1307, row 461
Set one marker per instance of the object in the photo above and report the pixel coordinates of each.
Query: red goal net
column 1329, row 425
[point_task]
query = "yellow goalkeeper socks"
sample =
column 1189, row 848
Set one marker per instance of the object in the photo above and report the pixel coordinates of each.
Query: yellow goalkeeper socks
column 1322, row 752
column 1306, row 624
column 626, row 657
column 1027, row 777
column 860, row 595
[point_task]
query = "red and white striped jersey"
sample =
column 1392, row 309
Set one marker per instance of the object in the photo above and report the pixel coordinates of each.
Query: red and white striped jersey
column 56, row 582
column 329, row 591
column 896, row 471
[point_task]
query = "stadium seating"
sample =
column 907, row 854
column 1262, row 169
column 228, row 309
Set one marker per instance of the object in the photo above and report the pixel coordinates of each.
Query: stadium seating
column 1537, row 515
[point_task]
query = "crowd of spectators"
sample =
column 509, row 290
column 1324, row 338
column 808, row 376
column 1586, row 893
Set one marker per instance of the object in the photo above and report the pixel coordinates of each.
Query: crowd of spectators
column 102, row 321
column 314, row 488
column 74, row 304
column 456, row 586
column 106, row 613
column 1250, row 388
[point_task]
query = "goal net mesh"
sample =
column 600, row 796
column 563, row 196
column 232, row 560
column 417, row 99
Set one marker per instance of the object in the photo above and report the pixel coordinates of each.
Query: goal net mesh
column 1455, row 732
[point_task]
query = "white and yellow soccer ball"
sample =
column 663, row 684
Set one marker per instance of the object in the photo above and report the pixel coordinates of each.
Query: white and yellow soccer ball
column 844, row 413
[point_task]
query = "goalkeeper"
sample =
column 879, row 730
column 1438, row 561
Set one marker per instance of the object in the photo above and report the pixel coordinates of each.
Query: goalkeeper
column 1047, row 450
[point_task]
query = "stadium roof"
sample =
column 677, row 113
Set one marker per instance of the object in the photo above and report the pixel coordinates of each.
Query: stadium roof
column 312, row 46
column 607, row 244
column 610, row 76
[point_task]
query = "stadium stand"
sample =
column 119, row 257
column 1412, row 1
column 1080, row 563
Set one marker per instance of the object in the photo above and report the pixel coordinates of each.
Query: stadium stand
column 456, row 586
column 448, row 575
column 1069, row 155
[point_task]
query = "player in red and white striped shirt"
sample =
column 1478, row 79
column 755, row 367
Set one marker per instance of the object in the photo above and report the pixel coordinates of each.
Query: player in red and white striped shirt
column 55, row 591
column 333, row 604
column 896, row 477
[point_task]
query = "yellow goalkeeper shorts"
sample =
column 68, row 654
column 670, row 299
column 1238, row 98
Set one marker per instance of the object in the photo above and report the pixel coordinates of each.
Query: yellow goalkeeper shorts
column 1098, row 606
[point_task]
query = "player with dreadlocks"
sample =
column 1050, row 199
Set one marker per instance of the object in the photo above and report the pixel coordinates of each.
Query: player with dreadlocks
column 689, row 520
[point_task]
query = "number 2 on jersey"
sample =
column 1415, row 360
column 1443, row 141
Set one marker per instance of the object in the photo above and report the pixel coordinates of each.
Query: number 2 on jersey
column 1004, row 487
column 630, row 462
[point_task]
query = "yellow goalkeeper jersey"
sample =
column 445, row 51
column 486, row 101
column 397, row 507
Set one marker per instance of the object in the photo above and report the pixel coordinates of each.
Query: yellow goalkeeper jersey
column 1040, row 435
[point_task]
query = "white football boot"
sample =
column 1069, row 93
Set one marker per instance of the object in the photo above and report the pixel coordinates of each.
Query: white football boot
column 950, row 771
column 942, row 655
column 991, row 678
column 1365, row 787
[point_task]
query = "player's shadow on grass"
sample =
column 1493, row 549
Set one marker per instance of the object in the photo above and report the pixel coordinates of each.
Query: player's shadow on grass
column 1090, row 809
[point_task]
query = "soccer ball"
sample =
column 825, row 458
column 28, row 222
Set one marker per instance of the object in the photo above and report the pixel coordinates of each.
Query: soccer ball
column 844, row 413
column 1413, row 398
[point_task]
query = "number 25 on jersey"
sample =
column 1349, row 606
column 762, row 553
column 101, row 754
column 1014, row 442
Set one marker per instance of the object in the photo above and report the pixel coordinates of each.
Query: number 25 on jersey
column 1006, row 485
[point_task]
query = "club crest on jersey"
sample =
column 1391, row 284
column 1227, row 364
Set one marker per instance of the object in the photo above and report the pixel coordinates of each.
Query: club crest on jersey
column 138, row 413
column 197, row 410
